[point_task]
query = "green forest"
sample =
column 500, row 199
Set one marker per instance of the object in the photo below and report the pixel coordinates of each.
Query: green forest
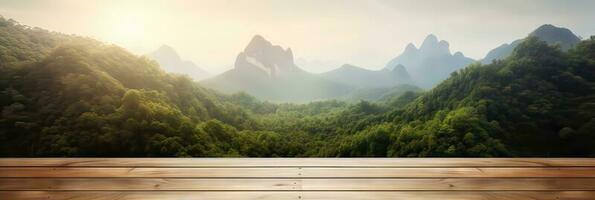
column 66, row 95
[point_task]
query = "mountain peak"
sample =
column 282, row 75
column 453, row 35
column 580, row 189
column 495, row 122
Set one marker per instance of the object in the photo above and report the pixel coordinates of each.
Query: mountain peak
column 165, row 47
column 444, row 43
column 431, row 38
column 547, row 26
column 348, row 66
column 548, row 29
column 258, row 37
column 262, row 54
column 166, row 52
column 410, row 46
column 257, row 43
column 400, row 68
column 556, row 35
column 289, row 54
column 170, row 61
column 431, row 63
column 551, row 34
column 430, row 41
column 434, row 46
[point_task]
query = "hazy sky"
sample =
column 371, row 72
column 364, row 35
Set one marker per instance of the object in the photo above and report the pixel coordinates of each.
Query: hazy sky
column 366, row 33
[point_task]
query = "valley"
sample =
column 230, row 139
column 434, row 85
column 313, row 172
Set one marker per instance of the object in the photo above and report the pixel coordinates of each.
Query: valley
column 68, row 95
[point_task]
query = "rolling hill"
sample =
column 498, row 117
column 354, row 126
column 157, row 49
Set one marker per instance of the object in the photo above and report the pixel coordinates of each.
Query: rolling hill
column 364, row 78
column 549, row 33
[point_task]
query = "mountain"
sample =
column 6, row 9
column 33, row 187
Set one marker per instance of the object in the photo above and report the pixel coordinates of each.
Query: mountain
column 316, row 66
column 372, row 85
column 171, row 62
column 431, row 63
column 364, row 78
column 539, row 101
column 63, row 95
column 269, row 72
column 549, row 33
column 379, row 94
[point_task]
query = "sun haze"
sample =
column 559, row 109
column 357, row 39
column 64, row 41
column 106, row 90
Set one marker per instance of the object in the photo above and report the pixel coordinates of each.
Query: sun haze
column 333, row 32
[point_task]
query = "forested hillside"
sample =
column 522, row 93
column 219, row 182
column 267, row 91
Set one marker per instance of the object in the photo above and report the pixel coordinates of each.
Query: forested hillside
column 65, row 95
column 538, row 102
column 549, row 33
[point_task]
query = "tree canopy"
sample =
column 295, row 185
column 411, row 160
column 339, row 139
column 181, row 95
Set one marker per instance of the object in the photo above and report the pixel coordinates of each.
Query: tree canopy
column 64, row 95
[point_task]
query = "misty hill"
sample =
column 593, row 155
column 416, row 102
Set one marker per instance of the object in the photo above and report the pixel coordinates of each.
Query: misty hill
column 431, row 63
column 171, row 62
column 268, row 71
column 364, row 78
column 551, row 34
column 379, row 94
column 316, row 66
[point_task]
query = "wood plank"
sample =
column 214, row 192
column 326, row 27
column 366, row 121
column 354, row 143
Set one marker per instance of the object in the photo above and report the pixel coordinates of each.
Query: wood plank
column 298, row 162
column 470, row 184
column 451, row 195
column 510, row 184
column 149, row 184
column 563, row 195
column 525, row 172
column 87, row 172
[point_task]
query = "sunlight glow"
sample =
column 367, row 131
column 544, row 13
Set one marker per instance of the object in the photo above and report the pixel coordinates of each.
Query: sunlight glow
column 128, row 30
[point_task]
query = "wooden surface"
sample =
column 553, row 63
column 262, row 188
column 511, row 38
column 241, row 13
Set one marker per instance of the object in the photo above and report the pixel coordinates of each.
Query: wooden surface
column 297, row 178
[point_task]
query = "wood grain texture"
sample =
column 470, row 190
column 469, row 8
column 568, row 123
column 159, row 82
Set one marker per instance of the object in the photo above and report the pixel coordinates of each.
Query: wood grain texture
column 297, row 178
column 463, row 172
column 150, row 184
column 147, row 184
column 69, row 172
column 293, row 172
column 297, row 162
column 422, row 195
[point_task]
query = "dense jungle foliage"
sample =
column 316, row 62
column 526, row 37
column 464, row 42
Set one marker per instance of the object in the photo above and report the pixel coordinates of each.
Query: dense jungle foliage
column 65, row 95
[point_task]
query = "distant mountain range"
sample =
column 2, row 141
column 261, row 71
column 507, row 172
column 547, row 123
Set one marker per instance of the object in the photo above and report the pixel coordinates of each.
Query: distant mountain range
column 364, row 78
column 316, row 66
column 170, row 61
column 268, row 71
column 431, row 63
column 549, row 33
